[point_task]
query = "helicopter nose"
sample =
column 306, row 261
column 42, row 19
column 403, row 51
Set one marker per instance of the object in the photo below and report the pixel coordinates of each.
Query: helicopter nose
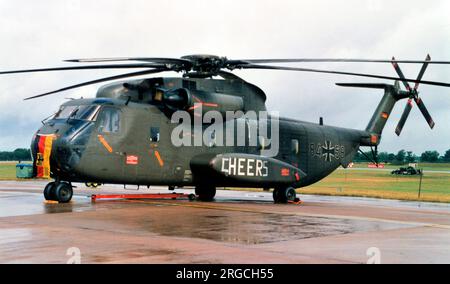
column 53, row 156
column 65, row 157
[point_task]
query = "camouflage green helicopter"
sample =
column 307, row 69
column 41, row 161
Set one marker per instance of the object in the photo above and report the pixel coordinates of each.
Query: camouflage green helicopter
column 127, row 133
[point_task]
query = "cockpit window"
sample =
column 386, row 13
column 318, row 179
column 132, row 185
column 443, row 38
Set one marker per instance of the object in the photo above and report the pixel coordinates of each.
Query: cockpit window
column 82, row 112
column 109, row 120
column 64, row 112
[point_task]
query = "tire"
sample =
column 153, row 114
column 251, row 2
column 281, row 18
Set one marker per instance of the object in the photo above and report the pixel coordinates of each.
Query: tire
column 64, row 192
column 291, row 194
column 205, row 193
column 49, row 191
column 275, row 194
column 283, row 195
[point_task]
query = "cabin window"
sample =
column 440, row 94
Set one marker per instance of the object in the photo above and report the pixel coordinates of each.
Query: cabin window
column 212, row 139
column 294, row 146
column 109, row 120
column 154, row 134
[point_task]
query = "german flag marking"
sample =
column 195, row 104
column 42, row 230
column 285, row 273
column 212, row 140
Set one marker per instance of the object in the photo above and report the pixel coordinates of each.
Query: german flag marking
column 43, row 156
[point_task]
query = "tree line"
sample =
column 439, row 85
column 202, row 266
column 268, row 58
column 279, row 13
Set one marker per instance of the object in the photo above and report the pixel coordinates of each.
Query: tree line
column 16, row 155
column 404, row 156
column 401, row 157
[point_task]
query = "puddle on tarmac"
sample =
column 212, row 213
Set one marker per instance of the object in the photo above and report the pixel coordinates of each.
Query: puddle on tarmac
column 8, row 236
column 257, row 228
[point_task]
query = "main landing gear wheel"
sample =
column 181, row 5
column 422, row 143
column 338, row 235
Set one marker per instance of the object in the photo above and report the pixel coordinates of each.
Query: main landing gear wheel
column 205, row 193
column 284, row 194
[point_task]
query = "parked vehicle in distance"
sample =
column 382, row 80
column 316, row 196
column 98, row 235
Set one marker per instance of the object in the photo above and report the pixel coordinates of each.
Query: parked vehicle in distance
column 409, row 171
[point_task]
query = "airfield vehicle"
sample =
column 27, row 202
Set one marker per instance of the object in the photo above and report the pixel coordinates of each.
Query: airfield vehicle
column 407, row 171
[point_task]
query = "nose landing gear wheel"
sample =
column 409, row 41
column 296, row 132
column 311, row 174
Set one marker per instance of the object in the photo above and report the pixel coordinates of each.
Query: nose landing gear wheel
column 49, row 191
column 205, row 193
column 64, row 192
column 284, row 194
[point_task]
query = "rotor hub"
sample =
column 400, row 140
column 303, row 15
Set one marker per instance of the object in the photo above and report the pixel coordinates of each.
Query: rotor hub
column 204, row 65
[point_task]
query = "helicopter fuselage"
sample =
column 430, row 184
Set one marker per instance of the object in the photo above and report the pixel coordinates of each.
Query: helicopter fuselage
column 126, row 136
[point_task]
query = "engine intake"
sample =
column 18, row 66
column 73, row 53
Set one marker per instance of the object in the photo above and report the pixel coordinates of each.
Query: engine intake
column 184, row 99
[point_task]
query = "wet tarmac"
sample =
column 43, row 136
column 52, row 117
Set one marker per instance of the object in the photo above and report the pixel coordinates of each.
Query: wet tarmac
column 239, row 227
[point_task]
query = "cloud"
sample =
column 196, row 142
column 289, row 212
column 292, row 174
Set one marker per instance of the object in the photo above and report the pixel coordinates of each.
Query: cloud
column 45, row 32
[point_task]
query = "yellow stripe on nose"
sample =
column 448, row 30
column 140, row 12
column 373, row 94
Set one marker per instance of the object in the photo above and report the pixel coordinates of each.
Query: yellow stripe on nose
column 160, row 160
column 105, row 143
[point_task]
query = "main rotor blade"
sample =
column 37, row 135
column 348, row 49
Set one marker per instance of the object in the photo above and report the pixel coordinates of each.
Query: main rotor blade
column 335, row 60
column 400, row 74
column 121, row 76
column 425, row 112
column 146, row 59
column 268, row 67
column 422, row 71
column 87, row 67
column 364, row 85
column 404, row 117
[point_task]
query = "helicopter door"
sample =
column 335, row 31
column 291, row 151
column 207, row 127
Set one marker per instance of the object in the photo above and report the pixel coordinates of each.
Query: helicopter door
column 151, row 167
column 293, row 147
column 108, row 133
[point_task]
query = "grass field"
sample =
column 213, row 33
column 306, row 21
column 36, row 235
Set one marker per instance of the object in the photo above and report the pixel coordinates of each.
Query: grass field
column 7, row 170
column 381, row 184
column 366, row 183
column 425, row 166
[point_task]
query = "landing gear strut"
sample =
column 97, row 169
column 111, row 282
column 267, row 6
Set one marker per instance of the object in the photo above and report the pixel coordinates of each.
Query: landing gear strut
column 58, row 191
column 284, row 194
column 205, row 192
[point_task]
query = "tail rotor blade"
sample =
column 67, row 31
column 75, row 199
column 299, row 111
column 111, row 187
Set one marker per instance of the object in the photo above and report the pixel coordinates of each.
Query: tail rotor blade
column 422, row 71
column 400, row 74
column 404, row 117
column 425, row 112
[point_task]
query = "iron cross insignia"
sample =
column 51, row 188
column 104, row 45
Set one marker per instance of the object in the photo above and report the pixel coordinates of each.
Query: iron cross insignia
column 328, row 151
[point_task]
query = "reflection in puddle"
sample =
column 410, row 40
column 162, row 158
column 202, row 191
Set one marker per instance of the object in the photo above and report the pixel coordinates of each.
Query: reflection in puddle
column 256, row 228
column 58, row 208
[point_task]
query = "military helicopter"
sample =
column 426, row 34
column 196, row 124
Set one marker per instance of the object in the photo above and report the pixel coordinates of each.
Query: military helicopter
column 125, row 134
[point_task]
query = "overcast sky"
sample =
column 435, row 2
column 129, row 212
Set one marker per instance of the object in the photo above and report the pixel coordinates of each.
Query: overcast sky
column 42, row 33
